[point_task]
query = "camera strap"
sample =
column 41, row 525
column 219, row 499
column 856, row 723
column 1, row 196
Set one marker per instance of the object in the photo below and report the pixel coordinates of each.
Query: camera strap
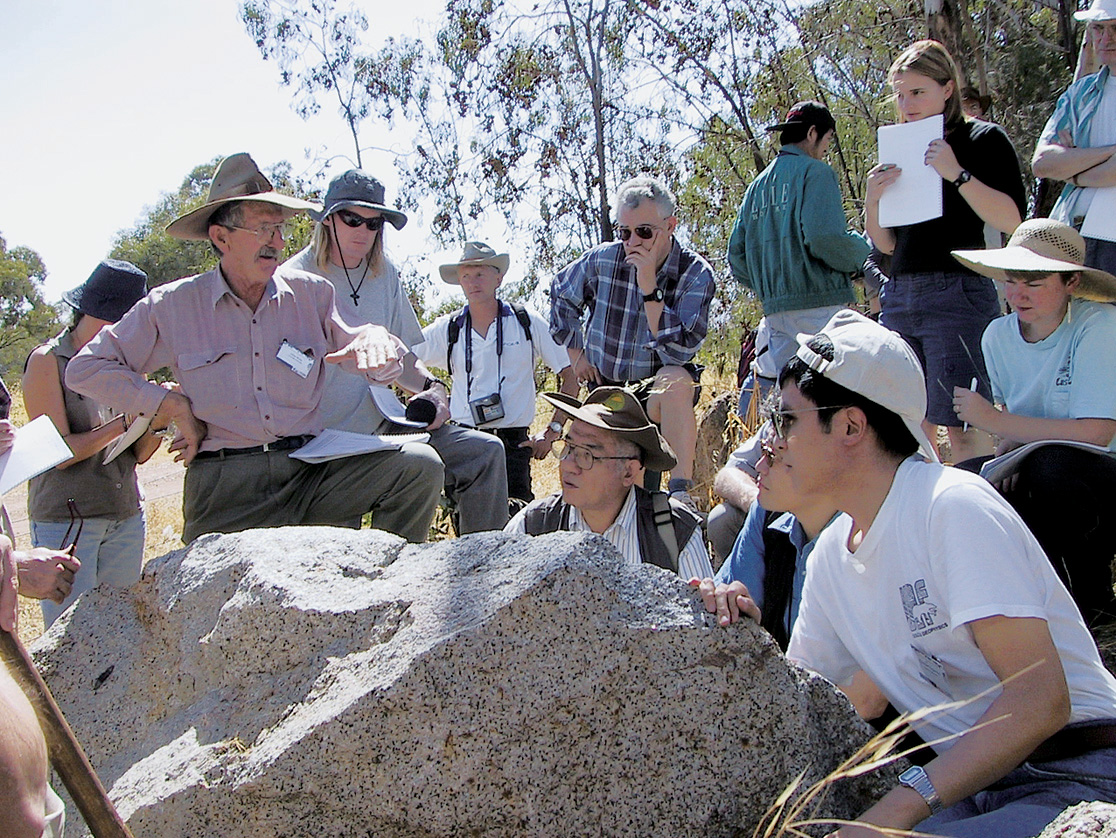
column 500, row 311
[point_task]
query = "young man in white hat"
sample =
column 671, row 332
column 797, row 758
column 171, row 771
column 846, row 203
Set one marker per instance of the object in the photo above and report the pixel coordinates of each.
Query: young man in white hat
column 647, row 302
column 490, row 348
column 1050, row 370
column 602, row 457
column 1078, row 143
column 933, row 586
column 348, row 250
column 248, row 347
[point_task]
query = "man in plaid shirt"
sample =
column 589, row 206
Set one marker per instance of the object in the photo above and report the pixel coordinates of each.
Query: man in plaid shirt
column 645, row 300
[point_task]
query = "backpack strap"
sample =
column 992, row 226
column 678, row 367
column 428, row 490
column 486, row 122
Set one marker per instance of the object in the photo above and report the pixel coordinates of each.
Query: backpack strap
column 664, row 523
column 547, row 515
column 453, row 332
column 523, row 317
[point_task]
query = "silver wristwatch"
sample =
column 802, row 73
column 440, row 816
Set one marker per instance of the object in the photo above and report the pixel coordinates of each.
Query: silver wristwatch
column 556, row 427
column 917, row 779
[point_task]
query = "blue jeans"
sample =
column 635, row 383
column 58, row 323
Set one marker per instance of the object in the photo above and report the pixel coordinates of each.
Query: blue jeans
column 1021, row 804
column 109, row 551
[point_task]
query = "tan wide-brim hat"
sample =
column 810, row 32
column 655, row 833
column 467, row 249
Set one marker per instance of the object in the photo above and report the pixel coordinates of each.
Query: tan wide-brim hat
column 618, row 410
column 475, row 253
column 237, row 178
column 1042, row 244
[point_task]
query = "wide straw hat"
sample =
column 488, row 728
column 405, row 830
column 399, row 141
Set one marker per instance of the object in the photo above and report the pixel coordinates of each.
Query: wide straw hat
column 113, row 288
column 618, row 410
column 1045, row 246
column 355, row 188
column 1100, row 10
column 475, row 253
column 237, row 178
column 876, row 363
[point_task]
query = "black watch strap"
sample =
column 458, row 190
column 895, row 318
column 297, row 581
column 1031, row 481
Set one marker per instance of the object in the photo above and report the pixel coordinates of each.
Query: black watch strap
column 963, row 178
column 655, row 296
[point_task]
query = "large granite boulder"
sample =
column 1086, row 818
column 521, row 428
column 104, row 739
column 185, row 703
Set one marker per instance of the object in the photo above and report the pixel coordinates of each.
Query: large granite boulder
column 1085, row 820
column 327, row 682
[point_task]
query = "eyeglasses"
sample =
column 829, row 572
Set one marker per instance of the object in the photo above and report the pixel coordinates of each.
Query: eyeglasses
column 351, row 219
column 782, row 418
column 68, row 544
column 265, row 232
column 583, row 458
column 773, row 456
column 644, row 231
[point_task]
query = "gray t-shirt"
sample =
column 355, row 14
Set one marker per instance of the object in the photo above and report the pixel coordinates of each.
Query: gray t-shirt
column 346, row 403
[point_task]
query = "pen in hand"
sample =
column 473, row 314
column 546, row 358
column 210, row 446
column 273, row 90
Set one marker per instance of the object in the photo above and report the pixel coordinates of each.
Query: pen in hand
column 972, row 389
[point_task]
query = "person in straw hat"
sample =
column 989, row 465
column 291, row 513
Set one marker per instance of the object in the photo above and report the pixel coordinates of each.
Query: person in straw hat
column 490, row 348
column 248, row 347
column 933, row 587
column 1078, row 142
column 348, row 250
column 1049, row 363
column 601, row 462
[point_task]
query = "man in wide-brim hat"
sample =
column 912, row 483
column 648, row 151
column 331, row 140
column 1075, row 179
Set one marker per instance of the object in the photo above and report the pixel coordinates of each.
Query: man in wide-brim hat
column 1078, row 142
column 248, row 347
column 602, row 457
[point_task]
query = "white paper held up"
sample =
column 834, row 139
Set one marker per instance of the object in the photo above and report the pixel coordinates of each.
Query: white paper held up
column 917, row 194
column 391, row 407
column 38, row 446
column 137, row 429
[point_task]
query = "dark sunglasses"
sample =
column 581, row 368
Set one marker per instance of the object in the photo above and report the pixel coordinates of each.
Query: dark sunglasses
column 351, row 219
column 68, row 544
column 644, row 231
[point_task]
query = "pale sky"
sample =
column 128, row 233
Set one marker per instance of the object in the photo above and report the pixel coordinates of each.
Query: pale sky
column 110, row 103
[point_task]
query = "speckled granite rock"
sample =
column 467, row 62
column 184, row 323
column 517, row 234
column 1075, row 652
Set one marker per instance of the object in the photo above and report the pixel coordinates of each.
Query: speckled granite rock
column 325, row 682
column 1085, row 820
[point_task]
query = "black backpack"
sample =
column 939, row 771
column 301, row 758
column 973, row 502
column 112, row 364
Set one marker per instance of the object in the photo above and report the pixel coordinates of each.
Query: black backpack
column 458, row 320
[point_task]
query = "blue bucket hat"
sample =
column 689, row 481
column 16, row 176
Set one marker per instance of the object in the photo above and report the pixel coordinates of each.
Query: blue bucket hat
column 355, row 188
column 112, row 289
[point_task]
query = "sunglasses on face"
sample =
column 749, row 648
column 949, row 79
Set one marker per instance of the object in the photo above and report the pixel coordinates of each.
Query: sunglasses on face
column 351, row 219
column 644, row 231
column 781, row 418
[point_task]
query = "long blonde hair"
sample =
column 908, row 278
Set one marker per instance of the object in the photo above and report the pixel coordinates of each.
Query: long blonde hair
column 929, row 58
column 323, row 246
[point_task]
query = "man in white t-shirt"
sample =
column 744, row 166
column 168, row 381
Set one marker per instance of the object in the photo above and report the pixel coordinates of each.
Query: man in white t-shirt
column 934, row 587
column 1078, row 143
column 490, row 348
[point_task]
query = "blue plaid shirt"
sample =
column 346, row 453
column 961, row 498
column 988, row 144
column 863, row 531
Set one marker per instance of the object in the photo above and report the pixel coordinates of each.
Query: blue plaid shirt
column 1074, row 113
column 619, row 342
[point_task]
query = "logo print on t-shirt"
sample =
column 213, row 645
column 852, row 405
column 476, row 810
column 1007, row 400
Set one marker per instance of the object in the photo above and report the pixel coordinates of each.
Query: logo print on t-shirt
column 1064, row 376
column 920, row 613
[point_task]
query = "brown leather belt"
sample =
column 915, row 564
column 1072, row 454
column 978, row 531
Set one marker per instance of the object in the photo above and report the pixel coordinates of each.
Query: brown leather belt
column 1074, row 740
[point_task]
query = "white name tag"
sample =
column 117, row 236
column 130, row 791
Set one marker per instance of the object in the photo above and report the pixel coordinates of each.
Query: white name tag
column 298, row 361
column 933, row 670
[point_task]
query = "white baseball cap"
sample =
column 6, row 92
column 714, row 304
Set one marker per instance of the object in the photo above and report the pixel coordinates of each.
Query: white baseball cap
column 877, row 364
column 1099, row 10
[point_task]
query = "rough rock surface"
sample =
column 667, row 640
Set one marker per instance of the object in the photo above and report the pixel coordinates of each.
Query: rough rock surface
column 719, row 430
column 326, row 682
column 1085, row 820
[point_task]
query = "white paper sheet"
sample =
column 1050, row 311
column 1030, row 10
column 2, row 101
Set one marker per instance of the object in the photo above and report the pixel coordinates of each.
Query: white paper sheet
column 331, row 444
column 137, row 429
column 1100, row 220
column 917, row 194
column 391, row 407
column 38, row 446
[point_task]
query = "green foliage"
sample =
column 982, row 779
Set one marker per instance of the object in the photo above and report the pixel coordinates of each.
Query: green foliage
column 165, row 259
column 26, row 319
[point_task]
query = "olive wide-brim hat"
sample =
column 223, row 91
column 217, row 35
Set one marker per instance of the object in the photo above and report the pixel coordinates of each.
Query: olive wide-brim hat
column 475, row 253
column 1046, row 245
column 237, row 178
column 618, row 410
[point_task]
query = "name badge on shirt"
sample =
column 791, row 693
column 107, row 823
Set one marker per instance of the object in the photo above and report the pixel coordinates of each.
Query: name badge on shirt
column 298, row 361
column 933, row 670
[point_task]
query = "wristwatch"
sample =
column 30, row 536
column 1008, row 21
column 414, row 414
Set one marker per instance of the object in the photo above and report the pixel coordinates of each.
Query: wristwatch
column 555, row 426
column 916, row 778
column 655, row 296
column 962, row 178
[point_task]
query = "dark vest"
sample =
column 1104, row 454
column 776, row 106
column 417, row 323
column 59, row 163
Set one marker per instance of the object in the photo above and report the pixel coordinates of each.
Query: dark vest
column 552, row 514
column 778, row 580
column 100, row 491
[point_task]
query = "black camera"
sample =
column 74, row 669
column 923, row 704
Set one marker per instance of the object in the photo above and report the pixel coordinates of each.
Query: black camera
column 486, row 409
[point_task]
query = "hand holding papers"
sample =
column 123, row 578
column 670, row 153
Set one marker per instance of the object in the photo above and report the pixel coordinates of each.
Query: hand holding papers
column 917, row 194
column 37, row 447
column 391, row 407
column 137, row 429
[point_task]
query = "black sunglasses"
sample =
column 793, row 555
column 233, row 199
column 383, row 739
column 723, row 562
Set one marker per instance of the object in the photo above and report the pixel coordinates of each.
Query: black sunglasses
column 68, row 544
column 351, row 219
column 644, row 231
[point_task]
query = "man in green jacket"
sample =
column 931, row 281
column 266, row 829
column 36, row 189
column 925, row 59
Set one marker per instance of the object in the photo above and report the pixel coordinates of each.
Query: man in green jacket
column 791, row 244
